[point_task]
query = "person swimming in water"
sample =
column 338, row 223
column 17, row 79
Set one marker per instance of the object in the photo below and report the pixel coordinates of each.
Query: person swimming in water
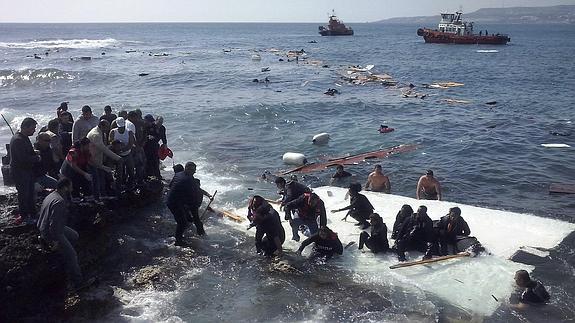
column 377, row 181
column 428, row 188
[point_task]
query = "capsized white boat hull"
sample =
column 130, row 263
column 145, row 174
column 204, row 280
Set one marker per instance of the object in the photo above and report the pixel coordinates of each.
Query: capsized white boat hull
column 476, row 285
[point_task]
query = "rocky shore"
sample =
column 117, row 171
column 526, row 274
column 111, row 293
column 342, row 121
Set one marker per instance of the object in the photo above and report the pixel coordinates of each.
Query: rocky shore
column 112, row 248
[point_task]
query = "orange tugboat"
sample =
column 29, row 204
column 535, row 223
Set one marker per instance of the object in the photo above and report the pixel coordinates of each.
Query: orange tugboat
column 451, row 30
column 335, row 27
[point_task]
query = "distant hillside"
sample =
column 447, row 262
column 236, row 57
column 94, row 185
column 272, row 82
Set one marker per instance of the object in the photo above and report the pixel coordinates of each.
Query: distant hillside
column 519, row 15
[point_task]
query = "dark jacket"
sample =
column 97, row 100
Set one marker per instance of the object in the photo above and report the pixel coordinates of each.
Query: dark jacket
column 535, row 293
column 293, row 190
column 185, row 190
column 46, row 165
column 449, row 230
column 378, row 238
column 417, row 229
column 399, row 219
column 360, row 205
column 308, row 212
column 327, row 246
column 268, row 223
column 22, row 155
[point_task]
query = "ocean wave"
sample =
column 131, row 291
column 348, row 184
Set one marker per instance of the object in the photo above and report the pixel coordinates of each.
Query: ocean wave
column 63, row 43
column 33, row 76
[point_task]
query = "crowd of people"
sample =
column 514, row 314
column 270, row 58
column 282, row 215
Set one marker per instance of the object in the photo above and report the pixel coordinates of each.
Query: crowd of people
column 91, row 159
column 101, row 156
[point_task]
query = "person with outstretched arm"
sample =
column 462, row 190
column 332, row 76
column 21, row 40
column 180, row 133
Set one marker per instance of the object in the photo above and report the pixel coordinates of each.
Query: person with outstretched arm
column 326, row 244
column 185, row 195
column 359, row 208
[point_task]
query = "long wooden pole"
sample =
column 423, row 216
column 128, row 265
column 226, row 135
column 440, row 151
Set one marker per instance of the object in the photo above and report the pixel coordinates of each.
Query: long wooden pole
column 208, row 207
column 427, row 261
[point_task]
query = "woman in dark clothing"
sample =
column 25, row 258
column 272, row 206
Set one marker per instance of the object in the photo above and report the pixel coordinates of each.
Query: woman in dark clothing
column 403, row 214
column 377, row 242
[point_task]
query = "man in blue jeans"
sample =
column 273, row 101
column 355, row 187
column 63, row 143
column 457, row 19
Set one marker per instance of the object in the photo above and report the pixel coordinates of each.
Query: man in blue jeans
column 22, row 160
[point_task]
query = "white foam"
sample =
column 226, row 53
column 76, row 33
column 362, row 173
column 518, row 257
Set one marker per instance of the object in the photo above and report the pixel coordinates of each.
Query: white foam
column 62, row 43
column 471, row 284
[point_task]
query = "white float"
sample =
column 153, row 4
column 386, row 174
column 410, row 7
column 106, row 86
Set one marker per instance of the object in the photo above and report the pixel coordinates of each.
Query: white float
column 471, row 284
column 555, row 145
column 296, row 159
column 320, row 138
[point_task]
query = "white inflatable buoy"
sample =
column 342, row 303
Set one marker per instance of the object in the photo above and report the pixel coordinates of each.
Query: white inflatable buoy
column 321, row 138
column 294, row 159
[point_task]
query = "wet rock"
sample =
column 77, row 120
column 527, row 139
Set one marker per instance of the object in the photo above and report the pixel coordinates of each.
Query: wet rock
column 33, row 283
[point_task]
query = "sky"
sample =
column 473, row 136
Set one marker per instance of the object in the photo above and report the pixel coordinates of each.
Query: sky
column 240, row 10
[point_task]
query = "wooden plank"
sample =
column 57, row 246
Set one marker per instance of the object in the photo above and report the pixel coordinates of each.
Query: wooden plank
column 562, row 188
column 428, row 261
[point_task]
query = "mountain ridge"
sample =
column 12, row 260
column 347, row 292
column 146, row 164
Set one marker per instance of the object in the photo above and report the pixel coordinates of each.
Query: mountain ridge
column 561, row 14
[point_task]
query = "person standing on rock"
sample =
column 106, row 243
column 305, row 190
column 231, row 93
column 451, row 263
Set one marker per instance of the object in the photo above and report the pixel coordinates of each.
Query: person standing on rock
column 184, row 197
column 53, row 229
column 22, row 161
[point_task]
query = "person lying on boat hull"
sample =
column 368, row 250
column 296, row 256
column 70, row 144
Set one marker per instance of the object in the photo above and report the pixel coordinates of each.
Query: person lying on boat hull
column 452, row 228
column 326, row 244
column 416, row 233
column 359, row 208
column 309, row 207
column 270, row 234
column 377, row 242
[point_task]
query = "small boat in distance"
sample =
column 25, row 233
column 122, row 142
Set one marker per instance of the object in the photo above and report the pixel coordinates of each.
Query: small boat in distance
column 452, row 30
column 335, row 27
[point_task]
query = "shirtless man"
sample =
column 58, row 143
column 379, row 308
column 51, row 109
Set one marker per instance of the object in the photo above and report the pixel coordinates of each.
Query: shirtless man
column 428, row 187
column 377, row 182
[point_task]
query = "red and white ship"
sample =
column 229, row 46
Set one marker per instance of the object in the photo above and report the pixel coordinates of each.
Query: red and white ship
column 452, row 30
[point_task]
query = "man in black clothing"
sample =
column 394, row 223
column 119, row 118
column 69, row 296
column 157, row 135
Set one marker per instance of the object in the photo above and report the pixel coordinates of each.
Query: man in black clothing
column 451, row 227
column 184, row 196
column 22, row 160
column 326, row 244
column 309, row 208
column 108, row 115
column 534, row 292
column 341, row 177
column 416, row 233
column 359, row 208
column 377, row 242
column 290, row 190
column 270, row 234
column 152, row 139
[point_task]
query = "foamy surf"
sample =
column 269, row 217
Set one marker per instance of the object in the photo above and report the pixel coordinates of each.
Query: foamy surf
column 63, row 43
column 478, row 285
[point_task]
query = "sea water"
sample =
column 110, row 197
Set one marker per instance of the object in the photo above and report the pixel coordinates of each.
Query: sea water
column 234, row 129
